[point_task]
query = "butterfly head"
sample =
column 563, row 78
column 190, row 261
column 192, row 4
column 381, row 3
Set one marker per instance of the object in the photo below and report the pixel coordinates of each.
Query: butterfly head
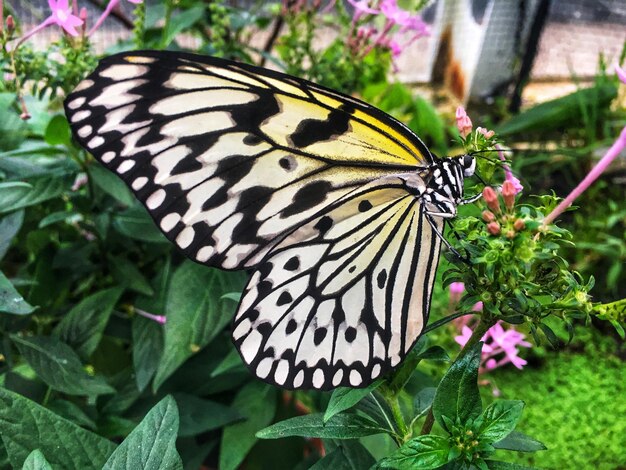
column 468, row 163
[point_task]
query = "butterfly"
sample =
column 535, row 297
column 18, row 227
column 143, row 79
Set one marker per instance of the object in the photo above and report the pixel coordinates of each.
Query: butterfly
column 335, row 207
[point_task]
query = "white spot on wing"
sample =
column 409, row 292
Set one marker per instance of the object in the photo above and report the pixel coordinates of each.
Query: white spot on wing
column 123, row 71
column 196, row 124
column 355, row 378
column 282, row 371
column 337, row 377
column 125, row 166
column 185, row 237
column 139, row 182
column 375, row 371
column 80, row 115
column 204, row 99
column 318, row 378
column 264, row 368
column 250, row 346
column 205, row 253
column 97, row 141
column 297, row 382
column 84, row 85
column 156, row 199
column 85, row 131
column 242, row 329
column 169, row 221
column 77, row 103
column 108, row 156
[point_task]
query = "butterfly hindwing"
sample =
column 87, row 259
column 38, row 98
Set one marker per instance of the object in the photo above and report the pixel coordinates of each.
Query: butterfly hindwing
column 344, row 297
column 228, row 157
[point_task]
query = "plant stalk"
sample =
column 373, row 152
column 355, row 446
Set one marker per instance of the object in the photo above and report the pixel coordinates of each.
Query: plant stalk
column 479, row 331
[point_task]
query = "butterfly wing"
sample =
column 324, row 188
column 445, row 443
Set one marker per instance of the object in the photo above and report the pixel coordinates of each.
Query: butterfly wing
column 229, row 157
column 343, row 298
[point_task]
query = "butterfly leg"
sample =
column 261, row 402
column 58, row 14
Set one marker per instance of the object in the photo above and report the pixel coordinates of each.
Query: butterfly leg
column 429, row 216
column 471, row 199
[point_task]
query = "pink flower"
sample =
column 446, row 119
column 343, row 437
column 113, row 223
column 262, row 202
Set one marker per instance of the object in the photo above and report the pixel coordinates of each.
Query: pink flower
column 478, row 307
column 463, row 338
column 394, row 13
column 161, row 319
column 361, row 7
column 487, row 133
column 463, row 122
column 508, row 174
column 620, row 72
column 457, row 288
column 456, row 291
column 61, row 15
column 109, row 8
column 501, row 346
column 395, row 48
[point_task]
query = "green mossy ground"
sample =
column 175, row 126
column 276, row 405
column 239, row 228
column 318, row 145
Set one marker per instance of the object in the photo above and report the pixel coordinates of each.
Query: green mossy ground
column 575, row 404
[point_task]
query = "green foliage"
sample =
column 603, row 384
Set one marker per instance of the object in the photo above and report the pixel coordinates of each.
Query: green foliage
column 87, row 380
column 571, row 403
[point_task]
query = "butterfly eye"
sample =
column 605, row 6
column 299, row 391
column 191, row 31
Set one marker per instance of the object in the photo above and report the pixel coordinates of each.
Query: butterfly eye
column 469, row 165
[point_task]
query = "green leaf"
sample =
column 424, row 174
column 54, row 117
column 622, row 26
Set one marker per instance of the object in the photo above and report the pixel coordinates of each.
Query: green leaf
column 135, row 223
column 344, row 398
column 36, row 461
column 10, row 299
column 423, row 400
column 10, row 225
column 147, row 349
column 17, row 195
column 497, row 465
column 58, row 365
column 519, row 442
column 73, row 412
column 152, row 444
column 82, row 327
column 457, row 395
column 499, row 419
column 558, row 113
column 348, row 455
column 147, row 334
column 435, row 353
column 341, row 426
column 58, row 131
column 195, row 313
column 231, row 361
column 128, row 275
column 111, row 184
column 423, row 452
column 257, row 403
column 334, row 460
column 181, row 22
column 198, row 415
column 25, row 426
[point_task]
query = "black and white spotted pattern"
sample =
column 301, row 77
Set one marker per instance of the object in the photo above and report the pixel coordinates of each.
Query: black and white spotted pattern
column 333, row 204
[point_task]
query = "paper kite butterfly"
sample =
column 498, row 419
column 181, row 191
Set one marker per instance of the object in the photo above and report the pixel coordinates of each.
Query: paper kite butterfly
column 335, row 207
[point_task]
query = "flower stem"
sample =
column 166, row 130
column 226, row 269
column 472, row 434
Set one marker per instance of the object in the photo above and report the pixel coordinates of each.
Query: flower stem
column 479, row 331
column 595, row 172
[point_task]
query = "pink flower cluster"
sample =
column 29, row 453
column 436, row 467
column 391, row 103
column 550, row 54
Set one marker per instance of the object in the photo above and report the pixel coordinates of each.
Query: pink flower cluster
column 501, row 345
column 465, row 127
column 400, row 28
column 69, row 18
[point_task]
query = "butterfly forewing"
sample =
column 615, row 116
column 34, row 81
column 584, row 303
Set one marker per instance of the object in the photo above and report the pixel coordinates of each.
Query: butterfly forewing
column 243, row 167
column 228, row 157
